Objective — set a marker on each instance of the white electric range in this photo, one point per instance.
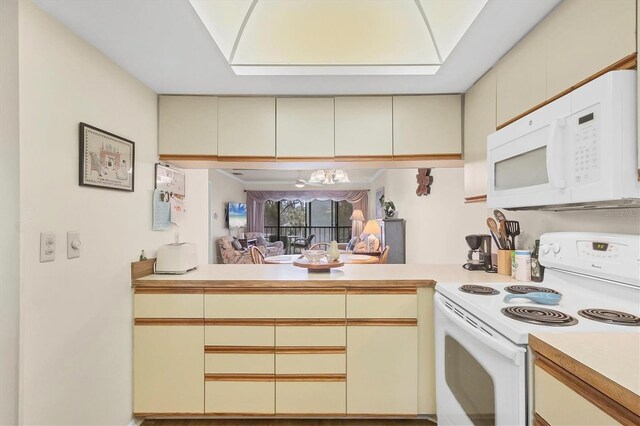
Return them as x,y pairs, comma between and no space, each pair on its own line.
483,364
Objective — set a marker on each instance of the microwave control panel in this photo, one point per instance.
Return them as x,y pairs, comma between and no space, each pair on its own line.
586,151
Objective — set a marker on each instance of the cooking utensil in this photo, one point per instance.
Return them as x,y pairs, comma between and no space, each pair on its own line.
493,227
536,296
502,231
499,215
513,230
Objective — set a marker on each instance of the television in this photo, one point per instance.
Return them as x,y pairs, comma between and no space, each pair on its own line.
236,215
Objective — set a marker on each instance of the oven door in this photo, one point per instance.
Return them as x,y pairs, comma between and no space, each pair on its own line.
480,375
526,160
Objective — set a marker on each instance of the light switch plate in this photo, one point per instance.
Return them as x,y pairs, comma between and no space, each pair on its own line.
47,247
73,239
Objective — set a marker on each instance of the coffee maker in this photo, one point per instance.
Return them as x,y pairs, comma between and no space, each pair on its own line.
479,254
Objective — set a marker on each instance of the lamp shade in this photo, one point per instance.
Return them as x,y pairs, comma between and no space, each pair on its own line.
357,215
372,227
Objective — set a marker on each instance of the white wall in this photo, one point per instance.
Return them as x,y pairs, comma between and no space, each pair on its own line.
435,224
76,342
223,190
10,213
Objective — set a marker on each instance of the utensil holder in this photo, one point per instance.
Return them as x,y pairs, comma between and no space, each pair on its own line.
504,262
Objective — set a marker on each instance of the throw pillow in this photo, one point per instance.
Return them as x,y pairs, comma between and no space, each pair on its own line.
236,244
352,243
261,241
360,247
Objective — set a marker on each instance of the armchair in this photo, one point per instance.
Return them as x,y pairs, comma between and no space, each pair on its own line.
230,254
270,249
302,243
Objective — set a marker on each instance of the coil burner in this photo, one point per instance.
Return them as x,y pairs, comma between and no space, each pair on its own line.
539,316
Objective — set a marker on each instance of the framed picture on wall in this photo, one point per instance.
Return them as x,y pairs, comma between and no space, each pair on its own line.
379,210
106,160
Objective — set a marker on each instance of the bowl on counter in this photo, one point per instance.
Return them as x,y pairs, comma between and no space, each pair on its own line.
314,256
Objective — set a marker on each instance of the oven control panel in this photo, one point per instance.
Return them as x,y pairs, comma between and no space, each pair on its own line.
586,159
608,256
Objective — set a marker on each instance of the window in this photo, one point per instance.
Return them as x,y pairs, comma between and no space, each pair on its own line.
327,220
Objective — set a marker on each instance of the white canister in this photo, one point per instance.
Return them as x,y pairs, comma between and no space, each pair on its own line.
523,265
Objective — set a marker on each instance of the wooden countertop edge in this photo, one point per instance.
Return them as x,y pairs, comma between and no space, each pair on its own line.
607,386
284,285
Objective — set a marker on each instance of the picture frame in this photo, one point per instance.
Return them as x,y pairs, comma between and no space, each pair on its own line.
379,210
170,180
106,160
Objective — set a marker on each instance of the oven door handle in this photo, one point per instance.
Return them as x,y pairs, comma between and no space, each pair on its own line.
514,354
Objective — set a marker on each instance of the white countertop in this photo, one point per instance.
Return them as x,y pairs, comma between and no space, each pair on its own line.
269,275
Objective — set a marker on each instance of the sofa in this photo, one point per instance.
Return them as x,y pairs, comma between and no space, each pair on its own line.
233,255
270,249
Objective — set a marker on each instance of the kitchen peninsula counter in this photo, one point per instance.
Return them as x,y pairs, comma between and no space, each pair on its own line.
348,276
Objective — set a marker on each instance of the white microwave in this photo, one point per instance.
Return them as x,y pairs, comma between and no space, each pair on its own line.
579,151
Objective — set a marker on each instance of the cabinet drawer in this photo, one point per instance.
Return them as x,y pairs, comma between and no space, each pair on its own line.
382,306
223,363
243,397
560,405
311,398
167,306
274,305
292,363
311,335
238,335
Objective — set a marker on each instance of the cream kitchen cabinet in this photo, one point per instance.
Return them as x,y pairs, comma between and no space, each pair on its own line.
522,76
188,125
479,122
305,128
586,36
247,127
168,369
363,127
427,125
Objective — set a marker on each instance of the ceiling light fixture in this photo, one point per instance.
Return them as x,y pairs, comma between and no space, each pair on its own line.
337,37
329,177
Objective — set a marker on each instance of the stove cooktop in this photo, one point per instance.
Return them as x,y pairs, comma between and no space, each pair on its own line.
539,316
524,289
479,289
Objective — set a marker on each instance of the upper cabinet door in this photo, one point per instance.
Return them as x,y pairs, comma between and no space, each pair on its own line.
188,125
479,122
522,76
427,125
305,127
364,126
247,127
585,37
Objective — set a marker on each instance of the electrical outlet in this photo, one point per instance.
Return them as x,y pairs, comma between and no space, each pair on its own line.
73,245
47,247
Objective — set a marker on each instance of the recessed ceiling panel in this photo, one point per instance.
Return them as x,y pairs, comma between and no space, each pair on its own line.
333,37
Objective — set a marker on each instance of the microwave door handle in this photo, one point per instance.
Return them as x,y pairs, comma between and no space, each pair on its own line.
555,170
498,346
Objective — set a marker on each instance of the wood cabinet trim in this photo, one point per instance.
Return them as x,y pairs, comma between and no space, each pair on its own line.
305,322
247,158
427,157
275,287
217,377
538,420
311,349
270,290
274,416
588,392
355,158
215,349
626,63
390,290
611,389
168,321
476,199
231,322
376,322
165,290
187,157
311,378
303,159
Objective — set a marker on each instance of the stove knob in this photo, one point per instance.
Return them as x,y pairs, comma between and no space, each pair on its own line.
544,248
555,248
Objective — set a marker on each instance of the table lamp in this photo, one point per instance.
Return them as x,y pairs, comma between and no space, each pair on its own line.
357,222
372,227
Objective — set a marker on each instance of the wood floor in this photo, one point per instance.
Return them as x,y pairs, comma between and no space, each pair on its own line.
287,422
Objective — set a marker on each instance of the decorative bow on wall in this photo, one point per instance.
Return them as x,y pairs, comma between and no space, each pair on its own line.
425,180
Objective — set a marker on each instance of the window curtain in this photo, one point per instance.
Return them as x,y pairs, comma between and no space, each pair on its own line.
256,199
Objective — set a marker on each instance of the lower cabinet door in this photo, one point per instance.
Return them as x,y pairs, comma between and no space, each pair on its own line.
308,397
168,369
382,370
240,397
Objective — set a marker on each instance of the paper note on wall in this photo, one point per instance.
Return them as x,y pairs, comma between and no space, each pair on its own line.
177,210
161,212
